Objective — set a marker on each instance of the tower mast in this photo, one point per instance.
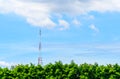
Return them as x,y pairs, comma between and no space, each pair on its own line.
39,48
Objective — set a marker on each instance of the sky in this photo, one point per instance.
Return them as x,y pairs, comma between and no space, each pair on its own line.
79,30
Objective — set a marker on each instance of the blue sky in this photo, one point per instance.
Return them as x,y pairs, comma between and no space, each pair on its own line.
83,31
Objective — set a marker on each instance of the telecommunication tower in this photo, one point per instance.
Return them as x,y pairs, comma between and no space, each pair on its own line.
39,48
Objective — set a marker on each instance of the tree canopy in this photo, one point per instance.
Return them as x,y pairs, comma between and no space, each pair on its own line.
61,71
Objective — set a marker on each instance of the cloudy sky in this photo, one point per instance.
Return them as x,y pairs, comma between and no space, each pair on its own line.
79,30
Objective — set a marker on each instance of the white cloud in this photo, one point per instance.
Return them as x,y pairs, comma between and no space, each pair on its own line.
4,64
39,12
93,27
83,48
76,22
63,24
21,47
91,17
36,14
17,49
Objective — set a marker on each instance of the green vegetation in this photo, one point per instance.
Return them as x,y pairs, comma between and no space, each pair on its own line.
61,71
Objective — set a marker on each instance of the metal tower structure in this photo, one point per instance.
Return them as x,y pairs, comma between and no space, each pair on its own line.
39,48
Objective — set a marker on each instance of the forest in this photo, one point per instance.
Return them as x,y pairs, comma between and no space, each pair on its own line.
58,70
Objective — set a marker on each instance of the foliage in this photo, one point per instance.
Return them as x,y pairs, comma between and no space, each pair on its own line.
61,71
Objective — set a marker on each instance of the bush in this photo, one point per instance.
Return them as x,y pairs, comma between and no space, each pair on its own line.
61,71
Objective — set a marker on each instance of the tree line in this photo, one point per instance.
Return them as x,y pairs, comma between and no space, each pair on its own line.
58,70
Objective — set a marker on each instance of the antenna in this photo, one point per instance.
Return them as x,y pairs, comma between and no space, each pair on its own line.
39,48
